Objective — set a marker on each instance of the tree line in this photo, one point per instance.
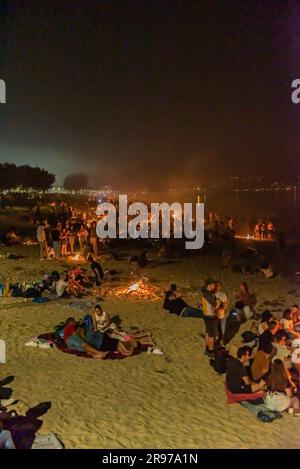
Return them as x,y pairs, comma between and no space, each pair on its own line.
24,177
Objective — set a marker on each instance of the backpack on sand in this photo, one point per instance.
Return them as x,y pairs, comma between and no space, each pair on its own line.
219,363
88,322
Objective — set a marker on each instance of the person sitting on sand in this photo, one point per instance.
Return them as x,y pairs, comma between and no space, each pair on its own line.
283,352
238,315
78,274
237,379
264,321
102,323
266,270
101,342
141,260
244,295
288,326
268,336
62,286
296,317
176,305
260,365
78,281
280,395
74,341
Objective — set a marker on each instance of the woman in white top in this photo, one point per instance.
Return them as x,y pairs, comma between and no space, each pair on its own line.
222,308
103,323
288,326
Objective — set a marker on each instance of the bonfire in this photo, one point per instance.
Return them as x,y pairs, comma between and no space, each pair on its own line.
30,242
140,290
77,257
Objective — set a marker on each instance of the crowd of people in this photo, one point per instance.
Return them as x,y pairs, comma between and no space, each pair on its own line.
264,230
60,240
265,369
97,335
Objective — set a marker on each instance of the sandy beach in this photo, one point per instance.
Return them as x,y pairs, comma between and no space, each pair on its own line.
145,401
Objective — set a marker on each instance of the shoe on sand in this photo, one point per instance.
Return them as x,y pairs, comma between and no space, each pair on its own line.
157,351
32,342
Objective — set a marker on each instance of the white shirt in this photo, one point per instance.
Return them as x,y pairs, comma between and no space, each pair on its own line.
40,234
61,286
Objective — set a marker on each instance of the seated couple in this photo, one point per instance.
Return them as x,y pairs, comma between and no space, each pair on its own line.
176,305
277,383
103,324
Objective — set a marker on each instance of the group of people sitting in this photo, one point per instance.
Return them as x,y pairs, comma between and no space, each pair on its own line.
74,282
101,336
267,367
271,364
220,325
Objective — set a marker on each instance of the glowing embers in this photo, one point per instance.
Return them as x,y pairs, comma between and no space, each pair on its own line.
77,257
140,290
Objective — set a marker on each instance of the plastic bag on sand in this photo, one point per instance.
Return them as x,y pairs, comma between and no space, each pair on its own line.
2,351
35,342
155,351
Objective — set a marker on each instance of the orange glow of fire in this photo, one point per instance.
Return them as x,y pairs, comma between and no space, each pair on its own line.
138,290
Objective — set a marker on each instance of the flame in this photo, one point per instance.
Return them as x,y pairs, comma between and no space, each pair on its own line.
77,257
138,290
29,242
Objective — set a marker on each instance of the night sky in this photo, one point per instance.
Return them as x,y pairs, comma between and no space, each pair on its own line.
150,92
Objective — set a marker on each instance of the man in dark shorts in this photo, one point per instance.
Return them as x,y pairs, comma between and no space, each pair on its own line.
209,305
176,305
237,379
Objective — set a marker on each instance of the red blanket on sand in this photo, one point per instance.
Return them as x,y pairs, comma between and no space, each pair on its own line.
110,356
235,398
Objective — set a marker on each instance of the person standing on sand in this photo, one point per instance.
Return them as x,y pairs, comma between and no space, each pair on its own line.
209,308
94,237
221,312
41,237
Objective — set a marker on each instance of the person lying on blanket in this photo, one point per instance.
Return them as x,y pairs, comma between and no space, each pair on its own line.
74,341
102,323
84,340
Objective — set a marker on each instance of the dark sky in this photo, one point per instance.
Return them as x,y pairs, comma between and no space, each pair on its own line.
153,91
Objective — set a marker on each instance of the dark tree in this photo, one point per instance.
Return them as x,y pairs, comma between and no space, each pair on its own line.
26,177
76,181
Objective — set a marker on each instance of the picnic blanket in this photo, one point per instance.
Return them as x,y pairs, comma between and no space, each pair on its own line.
51,339
82,306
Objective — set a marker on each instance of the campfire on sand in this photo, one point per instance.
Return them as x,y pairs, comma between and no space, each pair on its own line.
139,290
77,257
29,242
